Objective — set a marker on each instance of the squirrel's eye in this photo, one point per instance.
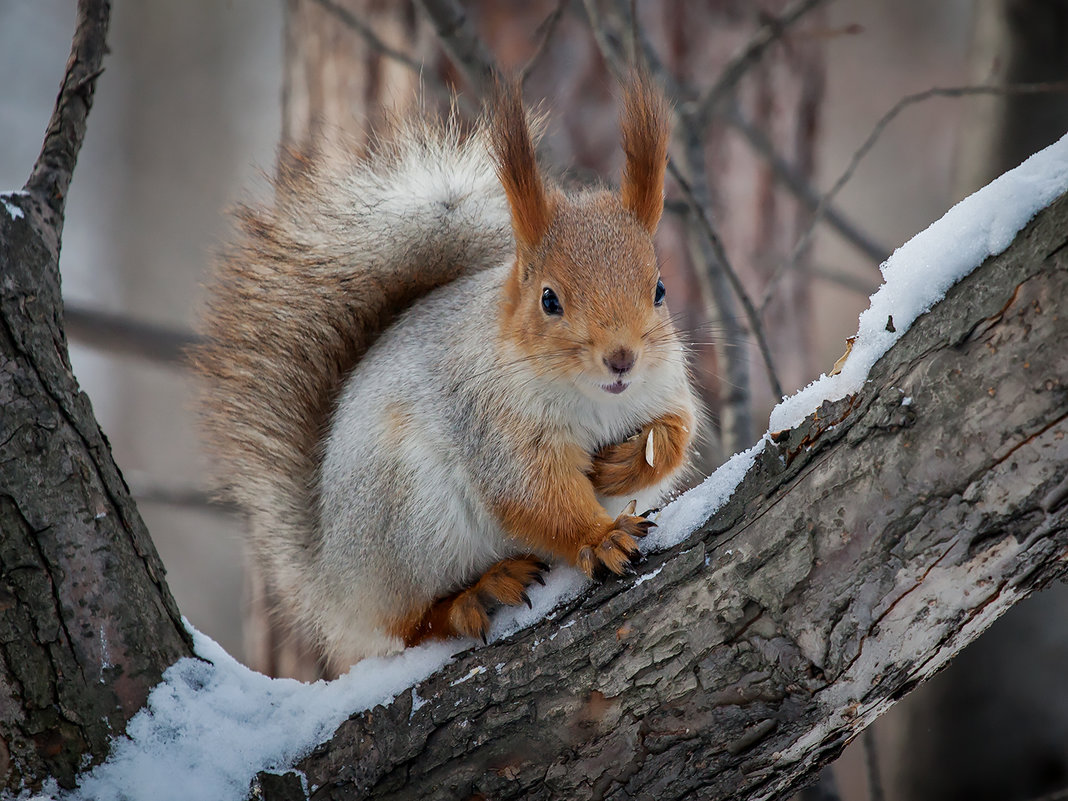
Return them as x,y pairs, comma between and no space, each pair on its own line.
658,298
550,302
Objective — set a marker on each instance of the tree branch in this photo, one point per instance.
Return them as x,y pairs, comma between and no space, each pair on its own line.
87,624
860,553
462,43
119,334
49,180
749,56
546,29
877,130
802,189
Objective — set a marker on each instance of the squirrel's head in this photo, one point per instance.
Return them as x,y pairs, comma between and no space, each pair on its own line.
585,300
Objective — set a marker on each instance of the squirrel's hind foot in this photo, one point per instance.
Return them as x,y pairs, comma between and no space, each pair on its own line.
465,613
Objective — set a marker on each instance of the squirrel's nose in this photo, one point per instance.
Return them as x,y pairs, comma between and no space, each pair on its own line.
620,360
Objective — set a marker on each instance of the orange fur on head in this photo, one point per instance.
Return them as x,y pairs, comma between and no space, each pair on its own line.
644,123
517,167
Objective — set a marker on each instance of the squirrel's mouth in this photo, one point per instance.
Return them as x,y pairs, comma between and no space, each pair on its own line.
616,387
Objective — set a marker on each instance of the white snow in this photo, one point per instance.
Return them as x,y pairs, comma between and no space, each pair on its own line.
13,211
919,272
211,725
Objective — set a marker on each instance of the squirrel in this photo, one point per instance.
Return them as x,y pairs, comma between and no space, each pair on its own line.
430,373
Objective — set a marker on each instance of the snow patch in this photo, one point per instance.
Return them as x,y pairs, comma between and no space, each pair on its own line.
212,724
644,578
919,272
13,211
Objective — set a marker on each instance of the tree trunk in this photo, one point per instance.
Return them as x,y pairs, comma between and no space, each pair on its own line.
860,553
87,624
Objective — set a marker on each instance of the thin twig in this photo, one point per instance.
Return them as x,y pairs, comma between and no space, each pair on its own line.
757,329
802,189
873,137
182,497
50,178
376,42
546,29
462,43
840,278
750,55
609,49
118,333
372,38
650,58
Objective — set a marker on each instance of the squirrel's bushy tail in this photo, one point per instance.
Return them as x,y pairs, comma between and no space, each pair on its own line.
307,286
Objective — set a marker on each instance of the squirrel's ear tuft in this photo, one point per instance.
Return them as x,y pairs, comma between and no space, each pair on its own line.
517,167
644,123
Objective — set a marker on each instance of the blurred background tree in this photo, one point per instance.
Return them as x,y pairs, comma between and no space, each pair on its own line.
198,95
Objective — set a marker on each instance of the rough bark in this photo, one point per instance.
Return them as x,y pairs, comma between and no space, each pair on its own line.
862,551
1013,745
87,624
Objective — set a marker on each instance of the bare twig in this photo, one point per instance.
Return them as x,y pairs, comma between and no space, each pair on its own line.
869,142
50,178
117,333
757,330
182,497
802,189
546,29
376,42
750,55
462,43
642,46
372,38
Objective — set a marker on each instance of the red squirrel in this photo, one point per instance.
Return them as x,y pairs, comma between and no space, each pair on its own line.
431,372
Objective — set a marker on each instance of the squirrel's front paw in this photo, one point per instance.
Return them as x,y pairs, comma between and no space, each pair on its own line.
649,456
617,550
